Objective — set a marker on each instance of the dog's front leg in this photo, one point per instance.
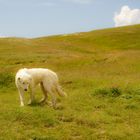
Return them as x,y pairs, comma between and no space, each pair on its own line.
32,97
21,94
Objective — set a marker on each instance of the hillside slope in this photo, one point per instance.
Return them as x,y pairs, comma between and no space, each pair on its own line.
114,38
100,72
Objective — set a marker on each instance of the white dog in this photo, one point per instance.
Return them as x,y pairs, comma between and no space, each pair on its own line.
29,78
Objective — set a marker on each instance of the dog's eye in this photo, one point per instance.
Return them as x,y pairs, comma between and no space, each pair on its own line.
23,83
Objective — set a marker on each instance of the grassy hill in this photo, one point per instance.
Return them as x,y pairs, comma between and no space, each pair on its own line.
99,70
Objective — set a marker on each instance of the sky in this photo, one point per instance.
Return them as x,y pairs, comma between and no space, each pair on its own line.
35,18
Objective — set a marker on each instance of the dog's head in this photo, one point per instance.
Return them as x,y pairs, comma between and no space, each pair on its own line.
24,82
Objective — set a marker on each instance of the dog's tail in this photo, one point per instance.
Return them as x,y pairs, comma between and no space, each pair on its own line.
60,91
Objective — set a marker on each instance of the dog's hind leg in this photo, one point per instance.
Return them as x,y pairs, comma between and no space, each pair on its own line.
53,97
44,93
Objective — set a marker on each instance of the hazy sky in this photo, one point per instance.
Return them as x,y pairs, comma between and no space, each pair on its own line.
34,18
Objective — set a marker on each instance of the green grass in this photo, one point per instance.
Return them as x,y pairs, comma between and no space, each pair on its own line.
100,72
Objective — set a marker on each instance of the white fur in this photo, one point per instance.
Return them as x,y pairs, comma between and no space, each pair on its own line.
29,78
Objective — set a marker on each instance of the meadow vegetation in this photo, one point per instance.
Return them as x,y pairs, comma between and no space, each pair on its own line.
100,72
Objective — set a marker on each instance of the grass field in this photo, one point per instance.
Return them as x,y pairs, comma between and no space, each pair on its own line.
99,70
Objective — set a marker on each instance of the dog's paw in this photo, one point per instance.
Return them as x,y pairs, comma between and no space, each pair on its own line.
22,105
49,103
29,103
43,100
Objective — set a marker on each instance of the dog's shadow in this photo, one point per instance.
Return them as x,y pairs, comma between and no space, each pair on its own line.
38,104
